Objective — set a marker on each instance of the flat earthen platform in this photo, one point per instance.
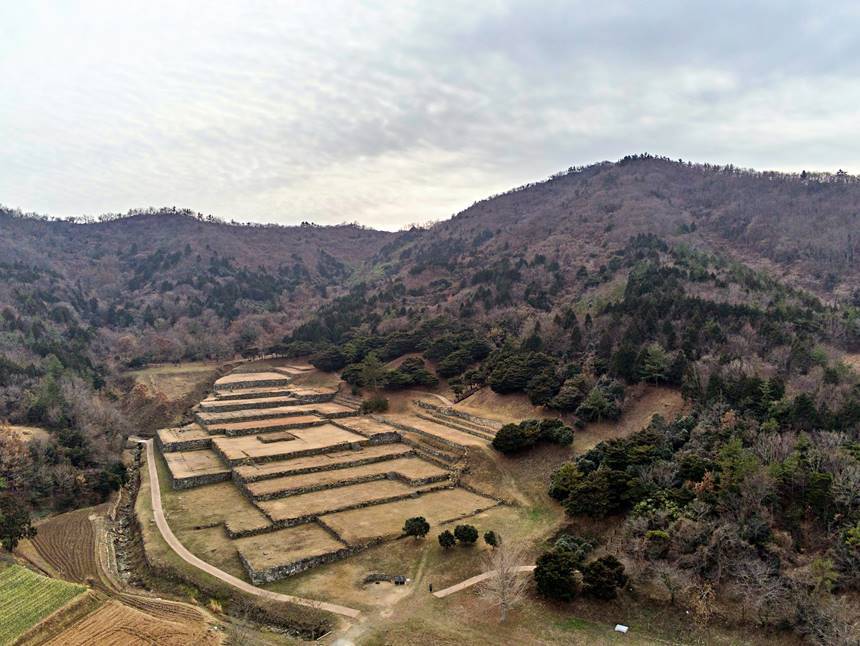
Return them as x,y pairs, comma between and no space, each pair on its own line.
251,379
308,441
323,409
334,460
438,430
304,506
194,468
411,471
386,520
285,551
264,425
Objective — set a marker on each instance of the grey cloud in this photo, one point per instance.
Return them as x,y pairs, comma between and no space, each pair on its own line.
395,112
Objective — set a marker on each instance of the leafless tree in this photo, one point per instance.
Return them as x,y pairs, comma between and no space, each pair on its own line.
506,584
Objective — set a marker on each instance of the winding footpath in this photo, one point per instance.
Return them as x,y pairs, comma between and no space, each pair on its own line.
188,557
468,583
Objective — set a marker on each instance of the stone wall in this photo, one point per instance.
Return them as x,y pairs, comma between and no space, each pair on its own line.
240,385
196,481
287,471
256,430
480,421
183,445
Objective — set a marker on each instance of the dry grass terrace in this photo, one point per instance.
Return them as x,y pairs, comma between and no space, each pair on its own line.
186,464
250,378
409,469
286,546
304,439
320,502
324,408
332,460
361,525
263,425
439,430
182,434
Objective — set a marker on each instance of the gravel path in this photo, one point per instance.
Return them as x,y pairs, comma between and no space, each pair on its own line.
468,583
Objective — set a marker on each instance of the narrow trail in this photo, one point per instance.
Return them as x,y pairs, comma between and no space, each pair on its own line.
188,557
468,583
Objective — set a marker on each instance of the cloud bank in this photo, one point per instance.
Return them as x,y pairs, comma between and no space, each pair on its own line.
391,113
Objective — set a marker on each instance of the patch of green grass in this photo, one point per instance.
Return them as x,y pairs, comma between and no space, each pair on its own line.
26,598
573,623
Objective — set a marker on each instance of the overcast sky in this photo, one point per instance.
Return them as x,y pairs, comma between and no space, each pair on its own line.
397,112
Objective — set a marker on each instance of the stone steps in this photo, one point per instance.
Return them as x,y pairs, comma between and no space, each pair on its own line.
252,393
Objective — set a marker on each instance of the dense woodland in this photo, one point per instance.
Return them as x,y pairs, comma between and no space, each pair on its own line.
740,289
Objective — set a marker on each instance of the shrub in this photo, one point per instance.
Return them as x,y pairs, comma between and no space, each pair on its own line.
512,438
376,404
555,576
491,538
446,539
416,526
466,534
603,577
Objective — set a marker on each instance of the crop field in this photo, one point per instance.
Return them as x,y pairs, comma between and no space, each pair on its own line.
362,525
26,598
115,624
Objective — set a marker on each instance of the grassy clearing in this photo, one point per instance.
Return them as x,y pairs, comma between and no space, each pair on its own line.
175,380
26,598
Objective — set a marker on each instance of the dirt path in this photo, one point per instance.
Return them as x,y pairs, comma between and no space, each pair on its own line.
189,558
468,583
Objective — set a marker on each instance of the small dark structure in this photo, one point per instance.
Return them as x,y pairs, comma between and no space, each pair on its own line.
400,580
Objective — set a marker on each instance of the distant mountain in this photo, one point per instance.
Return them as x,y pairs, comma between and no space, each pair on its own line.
167,285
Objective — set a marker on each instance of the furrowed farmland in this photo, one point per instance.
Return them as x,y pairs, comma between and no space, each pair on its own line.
26,598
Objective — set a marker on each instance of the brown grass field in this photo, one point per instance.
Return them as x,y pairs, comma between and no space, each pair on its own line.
176,381
287,546
361,525
315,437
26,433
115,624
238,378
319,502
407,468
185,464
326,460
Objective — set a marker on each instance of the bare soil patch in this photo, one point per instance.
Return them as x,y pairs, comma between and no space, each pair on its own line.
176,380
